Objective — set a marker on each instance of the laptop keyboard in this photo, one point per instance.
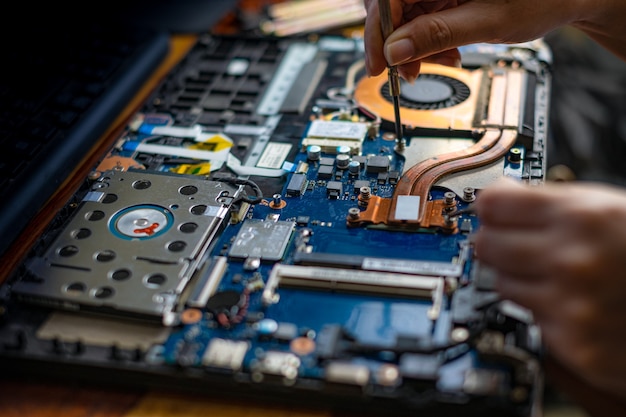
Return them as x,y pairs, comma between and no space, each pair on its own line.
55,103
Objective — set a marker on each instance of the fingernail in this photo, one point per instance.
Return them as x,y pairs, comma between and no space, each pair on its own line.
399,51
410,78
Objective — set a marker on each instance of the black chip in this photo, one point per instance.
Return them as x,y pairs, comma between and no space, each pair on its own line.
377,164
394,176
360,183
302,220
465,226
334,189
325,172
360,159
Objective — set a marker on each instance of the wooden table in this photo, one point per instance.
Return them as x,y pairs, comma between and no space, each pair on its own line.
42,399
19,398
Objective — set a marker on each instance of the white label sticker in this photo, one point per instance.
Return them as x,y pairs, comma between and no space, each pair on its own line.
274,155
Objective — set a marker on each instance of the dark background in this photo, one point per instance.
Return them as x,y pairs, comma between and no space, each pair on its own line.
588,111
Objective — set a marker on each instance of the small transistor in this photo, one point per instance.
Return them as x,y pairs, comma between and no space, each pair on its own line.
334,189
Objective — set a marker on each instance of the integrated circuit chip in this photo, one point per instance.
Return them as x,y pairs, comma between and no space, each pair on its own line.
377,163
337,130
358,184
325,172
331,135
262,239
334,189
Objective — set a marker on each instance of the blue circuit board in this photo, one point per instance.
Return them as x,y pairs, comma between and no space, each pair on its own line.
377,324
301,249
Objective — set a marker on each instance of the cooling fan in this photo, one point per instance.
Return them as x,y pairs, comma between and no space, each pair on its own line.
441,97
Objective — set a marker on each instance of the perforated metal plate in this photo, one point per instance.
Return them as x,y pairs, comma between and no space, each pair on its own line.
132,245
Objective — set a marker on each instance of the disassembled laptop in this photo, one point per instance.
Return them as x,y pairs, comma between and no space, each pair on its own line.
260,229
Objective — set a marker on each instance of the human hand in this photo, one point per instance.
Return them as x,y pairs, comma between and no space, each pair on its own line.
433,29
560,250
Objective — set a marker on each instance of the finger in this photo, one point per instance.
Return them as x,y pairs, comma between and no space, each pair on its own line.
450,58
528,293
428,34
508,251
510,204
375,61
592,400
471,22
411,70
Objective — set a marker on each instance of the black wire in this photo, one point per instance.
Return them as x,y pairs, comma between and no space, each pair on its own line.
240,181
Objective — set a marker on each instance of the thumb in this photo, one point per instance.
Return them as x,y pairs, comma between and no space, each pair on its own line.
433,33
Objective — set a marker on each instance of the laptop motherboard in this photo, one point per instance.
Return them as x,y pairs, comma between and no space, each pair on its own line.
259,230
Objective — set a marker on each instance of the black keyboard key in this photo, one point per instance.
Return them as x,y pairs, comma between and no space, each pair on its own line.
66,118
39,132
80,103
93,89
22,148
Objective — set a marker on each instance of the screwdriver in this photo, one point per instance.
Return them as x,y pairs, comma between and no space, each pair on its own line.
394,80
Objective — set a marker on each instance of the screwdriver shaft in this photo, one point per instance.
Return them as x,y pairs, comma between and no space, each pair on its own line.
386,24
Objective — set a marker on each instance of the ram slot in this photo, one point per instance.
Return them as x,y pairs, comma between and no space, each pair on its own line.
349,280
